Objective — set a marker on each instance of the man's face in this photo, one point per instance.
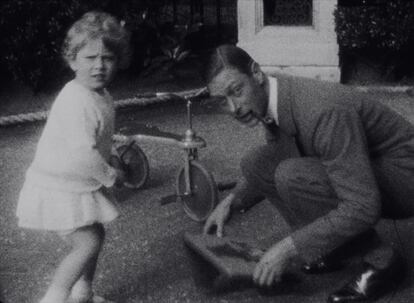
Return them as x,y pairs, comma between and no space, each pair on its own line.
245,96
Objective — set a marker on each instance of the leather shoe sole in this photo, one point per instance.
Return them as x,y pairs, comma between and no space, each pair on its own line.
370,284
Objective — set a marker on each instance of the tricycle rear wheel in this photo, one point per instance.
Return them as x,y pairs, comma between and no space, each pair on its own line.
135,164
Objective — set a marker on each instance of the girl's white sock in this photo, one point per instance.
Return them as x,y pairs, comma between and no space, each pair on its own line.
81,291
55,295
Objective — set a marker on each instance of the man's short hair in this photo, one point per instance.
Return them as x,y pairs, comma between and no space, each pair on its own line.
227,56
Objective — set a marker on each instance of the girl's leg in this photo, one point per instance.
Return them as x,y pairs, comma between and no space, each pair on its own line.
82,290
86,244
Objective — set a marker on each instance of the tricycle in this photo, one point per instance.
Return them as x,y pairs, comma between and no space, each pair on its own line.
195,185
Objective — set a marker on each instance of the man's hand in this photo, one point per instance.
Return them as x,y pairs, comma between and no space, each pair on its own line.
219,216
274,263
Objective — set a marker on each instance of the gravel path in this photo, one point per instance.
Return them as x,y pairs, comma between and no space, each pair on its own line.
144,259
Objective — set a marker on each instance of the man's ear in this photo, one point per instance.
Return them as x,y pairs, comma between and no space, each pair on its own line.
257,72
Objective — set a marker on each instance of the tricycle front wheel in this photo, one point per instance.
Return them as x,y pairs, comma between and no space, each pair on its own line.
203,198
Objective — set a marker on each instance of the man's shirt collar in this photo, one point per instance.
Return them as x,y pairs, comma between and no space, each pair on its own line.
272,105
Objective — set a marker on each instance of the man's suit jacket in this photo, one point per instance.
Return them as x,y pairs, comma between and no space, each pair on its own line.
346,130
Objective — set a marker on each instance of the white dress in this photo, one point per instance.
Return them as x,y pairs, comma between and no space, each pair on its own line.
42,208
65,184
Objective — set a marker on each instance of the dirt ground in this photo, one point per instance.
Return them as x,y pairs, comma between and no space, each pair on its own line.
144,259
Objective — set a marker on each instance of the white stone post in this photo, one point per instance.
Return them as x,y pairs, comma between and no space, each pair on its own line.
310,51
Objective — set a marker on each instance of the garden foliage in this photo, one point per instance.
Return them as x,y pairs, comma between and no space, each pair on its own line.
381,29
32,32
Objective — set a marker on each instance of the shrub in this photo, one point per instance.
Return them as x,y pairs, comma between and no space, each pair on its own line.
379,24
380,29
33,31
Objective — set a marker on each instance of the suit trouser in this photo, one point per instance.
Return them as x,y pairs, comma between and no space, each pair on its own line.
300,189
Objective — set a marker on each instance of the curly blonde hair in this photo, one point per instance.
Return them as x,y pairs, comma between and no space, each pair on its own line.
98,25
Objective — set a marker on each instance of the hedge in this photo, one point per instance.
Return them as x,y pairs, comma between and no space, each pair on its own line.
376,23
381,32
33,31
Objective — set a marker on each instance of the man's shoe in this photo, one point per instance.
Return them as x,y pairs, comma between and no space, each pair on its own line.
322,265
334,261
370,284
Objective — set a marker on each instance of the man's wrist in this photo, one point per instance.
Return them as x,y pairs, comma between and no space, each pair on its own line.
228,201
235,204
289,247
245,197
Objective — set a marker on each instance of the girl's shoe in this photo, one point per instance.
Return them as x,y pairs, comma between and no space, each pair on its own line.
80,295
98,299
90,299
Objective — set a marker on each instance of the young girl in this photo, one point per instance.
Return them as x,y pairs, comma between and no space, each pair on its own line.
64,188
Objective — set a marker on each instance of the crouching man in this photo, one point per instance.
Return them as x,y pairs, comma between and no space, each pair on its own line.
334,163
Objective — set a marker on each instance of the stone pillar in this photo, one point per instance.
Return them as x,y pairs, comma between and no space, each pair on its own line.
305,50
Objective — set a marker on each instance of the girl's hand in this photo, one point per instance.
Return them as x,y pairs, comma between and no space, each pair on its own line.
120,177
116,163
219,216
274,262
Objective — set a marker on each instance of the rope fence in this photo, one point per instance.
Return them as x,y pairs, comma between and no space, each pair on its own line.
138,100
146,99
